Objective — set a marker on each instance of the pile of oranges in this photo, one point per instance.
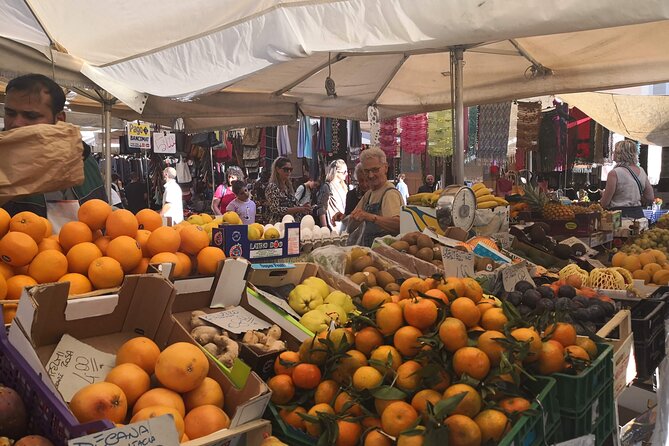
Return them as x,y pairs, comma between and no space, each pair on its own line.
194,400
440,356
96,251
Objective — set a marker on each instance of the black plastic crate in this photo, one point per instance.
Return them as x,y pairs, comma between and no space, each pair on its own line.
649,354
647,319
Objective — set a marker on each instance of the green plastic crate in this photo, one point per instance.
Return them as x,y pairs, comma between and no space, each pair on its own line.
285,432
597,418
578,391
535,430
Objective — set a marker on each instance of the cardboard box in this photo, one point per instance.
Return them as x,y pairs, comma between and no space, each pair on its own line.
417,218
491,221
234,241
611,220
105,322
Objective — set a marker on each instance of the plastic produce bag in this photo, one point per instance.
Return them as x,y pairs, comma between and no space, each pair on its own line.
414,265
40,158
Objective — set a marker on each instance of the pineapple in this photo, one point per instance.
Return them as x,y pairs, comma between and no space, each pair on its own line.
535,198
556,211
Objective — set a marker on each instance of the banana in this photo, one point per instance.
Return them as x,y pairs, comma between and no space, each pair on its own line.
501,201
418,198
486,197
482,192
477,186
486,204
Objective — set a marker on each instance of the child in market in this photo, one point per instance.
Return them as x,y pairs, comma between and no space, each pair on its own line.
242,205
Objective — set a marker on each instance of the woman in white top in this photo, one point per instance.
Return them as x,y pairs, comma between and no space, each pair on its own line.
332,196
627,185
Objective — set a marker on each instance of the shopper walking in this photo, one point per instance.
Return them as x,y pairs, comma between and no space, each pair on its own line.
402,188
224,194
172,200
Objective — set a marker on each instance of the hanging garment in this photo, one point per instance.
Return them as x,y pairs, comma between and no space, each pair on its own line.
440,134
183,171
494,130
581,136
529,122
414,133
251,137
305,148
388,137
354,140
283,141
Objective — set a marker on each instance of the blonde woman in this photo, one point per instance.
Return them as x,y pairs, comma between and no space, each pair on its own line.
332,196
280,195
627,185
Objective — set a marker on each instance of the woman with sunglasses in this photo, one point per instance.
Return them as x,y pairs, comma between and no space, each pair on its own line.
280,194
332,196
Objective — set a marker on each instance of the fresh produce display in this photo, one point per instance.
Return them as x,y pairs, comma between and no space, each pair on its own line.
650,265
537,236
485,198
656,238
437,358
318,305
181,388
14,425
428,199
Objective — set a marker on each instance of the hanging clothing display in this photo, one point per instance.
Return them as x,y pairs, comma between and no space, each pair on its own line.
388,137
473,130
440,133
339,149
494,130
529,122
581,135
325,135
553,139
305,148
414,133
354,140
283,141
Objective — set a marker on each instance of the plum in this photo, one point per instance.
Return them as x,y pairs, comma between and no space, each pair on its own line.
13,417
33,440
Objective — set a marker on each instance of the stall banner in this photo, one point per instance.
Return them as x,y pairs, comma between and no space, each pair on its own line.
139,136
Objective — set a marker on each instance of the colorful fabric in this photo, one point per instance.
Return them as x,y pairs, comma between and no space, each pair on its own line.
388,137
283,141
305,148
581,136
494,130
414,133
440,134
529,122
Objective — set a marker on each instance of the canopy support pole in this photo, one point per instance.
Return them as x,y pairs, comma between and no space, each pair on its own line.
106,122
458,167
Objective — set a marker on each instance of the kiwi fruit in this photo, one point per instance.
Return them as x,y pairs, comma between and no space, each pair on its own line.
411,237
423,241
371,269
371,279
383,278
400,245
358,278
392,287
425,254
436,253
356,253
361,263
413,250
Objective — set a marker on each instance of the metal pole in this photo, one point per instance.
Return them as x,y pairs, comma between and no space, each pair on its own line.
106,121
458,167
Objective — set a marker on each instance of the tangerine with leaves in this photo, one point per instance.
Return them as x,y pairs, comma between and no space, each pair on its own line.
551,358
94,213
473,289
387,356
126,251
389,318
530,336
422,397
105,272
163,239
485,304
346,404
148,219
406,340
17,248
282,388
207,260
494,319
437,294
315,429
352,361
453,288
488,344
28,223
576,352
471,361
48,266
464,308
462,431
420,313
326,392
374,298
398,416
292,418
306,376
349,433
367,378
514,405
470,405
376,438
408,376
453,334
290,359
588,345
561,332
409,288
72,233
79,284
368,339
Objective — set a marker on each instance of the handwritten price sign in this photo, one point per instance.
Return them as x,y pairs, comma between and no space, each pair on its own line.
74,365
158,431
237,320
512,274
457,263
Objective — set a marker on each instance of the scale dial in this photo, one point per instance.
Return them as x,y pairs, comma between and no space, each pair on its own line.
456,207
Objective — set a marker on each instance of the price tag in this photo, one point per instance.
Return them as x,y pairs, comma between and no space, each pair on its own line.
159,431
237,320
74,365
512,274
457,263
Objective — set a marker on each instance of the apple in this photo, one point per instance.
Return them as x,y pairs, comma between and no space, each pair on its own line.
315,321
342,299
318,284
304,298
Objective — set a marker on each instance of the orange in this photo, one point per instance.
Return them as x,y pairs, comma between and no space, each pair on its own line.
160,397
529,335
367,378
291,417
29,223
464,308
408,377
368,339
326,392
376,438
562,332
388,356
79,284
470,405
462,431
437,294
80,257
142,238
164,257
490,346
105,272
453,334
49,228
421,398
101,400
420,313
102,243
181,367
306,376
72,233
207,260
343,372
406,340
412,440
588,345
141,267
282,388
349,433
441,381
5,218
380,405
494,319
94,213
409,287
132,379
15,285
618,259
149,219
183,266
48,266
121,222
208,392
398,417
126,251
472,289
193,239
17,248
9,312
551,358
485,304
514,405
472,361
315,429
453,288
292,358
374,297
163,239
141,351
156,411
389,318
6,270
344,403
574,351
49,243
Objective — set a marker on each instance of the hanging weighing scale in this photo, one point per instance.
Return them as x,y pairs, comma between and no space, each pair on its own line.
456,207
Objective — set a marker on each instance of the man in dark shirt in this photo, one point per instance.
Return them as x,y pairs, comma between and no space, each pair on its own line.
428,187
136,194
35,99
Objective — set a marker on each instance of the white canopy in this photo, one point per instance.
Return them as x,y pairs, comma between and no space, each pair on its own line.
392,53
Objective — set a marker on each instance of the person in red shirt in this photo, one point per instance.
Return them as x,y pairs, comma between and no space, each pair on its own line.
224,194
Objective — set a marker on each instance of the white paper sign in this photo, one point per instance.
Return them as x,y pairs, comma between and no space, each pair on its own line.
512,274
75,364
457,263
158,431
573,240
504,239
164,142
279,303
440,238
237,320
